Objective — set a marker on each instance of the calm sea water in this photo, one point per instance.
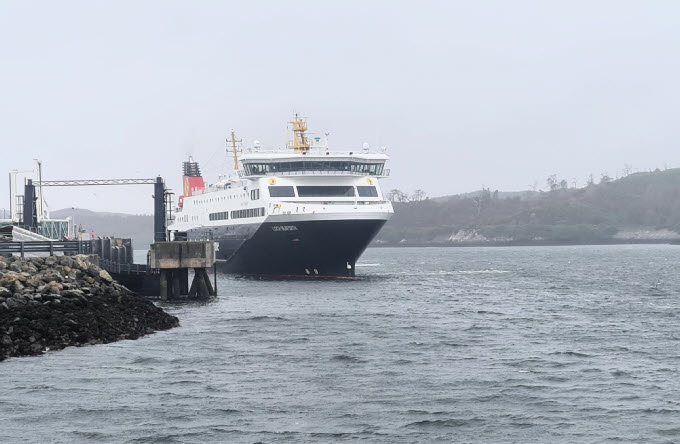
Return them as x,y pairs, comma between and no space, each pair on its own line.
550,344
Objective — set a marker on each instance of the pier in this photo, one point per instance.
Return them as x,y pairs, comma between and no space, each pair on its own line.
173,261
166,273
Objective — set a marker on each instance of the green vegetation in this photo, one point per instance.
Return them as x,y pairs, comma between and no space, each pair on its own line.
593,214
563,215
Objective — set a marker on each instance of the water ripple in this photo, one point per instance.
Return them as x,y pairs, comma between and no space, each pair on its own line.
549,344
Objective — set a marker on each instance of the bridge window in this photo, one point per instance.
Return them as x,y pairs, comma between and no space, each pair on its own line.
366,191
281,192
261,169
254,194
328,191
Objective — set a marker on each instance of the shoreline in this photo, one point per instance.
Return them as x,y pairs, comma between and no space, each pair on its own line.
524,243
61,301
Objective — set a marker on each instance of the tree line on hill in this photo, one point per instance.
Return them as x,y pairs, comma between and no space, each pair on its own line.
563,214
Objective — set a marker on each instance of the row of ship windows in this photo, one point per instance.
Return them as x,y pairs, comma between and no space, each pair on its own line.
305,191
219,199
237,214
223,215
313,165
323,191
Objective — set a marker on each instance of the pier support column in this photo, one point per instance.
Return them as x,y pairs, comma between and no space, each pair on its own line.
215,278
176,283
183,281
173,260
164,285
201,286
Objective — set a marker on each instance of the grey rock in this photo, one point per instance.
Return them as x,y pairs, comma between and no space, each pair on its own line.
50,297
17,286
93,271
13,302
4,292
105,276
72,293
52,276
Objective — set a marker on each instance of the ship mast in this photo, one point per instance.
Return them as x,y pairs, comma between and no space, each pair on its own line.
234,150
299,142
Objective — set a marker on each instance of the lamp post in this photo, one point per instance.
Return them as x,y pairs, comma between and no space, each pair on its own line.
73,221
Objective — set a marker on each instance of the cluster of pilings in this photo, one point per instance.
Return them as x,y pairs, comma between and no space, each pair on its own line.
174,284
113,249
174,259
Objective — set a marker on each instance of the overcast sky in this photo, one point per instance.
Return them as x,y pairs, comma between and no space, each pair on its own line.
464,94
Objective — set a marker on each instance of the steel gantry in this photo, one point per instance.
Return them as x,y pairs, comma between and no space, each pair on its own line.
80,182
161,199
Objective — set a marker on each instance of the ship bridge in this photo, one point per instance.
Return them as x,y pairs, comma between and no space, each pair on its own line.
285,164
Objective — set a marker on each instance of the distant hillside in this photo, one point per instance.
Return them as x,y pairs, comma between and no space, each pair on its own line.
638,207
137,227
641,207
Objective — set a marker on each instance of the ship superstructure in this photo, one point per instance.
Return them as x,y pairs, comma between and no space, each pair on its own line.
300,211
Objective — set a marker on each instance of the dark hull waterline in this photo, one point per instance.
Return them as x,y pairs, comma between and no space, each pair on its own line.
321,248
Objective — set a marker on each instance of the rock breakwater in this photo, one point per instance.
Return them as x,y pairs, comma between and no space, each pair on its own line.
55,302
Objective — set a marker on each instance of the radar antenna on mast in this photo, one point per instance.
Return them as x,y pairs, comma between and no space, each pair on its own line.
234,149
299,143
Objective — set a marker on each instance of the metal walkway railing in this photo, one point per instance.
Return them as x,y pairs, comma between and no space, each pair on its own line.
115,255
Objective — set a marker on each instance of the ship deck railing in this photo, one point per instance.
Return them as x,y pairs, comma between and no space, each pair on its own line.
385,173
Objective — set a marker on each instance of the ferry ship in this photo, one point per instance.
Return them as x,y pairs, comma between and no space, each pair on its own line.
301,211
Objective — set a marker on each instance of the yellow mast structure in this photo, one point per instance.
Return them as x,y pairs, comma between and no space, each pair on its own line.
234,149
299,143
